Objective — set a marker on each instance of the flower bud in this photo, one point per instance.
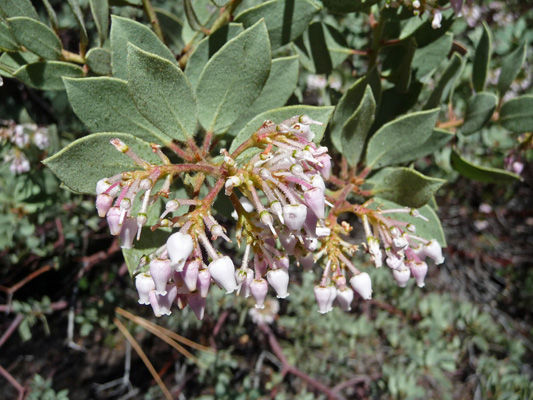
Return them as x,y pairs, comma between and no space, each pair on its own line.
161,303
113,220
419,272
394,261
179,247
182,299
315,200
160,271
304,131
433,250
362,284
325,169
128,233
345,298
245,278
279,280
197,304
401,276
322,296
190,274
332,296
294,215
103,204
222,271
102,185
282,262
318,182
203,282
144,284
259,289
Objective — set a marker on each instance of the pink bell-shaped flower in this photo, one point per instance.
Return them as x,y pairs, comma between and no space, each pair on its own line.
322,296
180,283
161,304
103,204
325,169
282,262
279,280
144,284
294,216
203,283
190,274
244,278
222,271
433,250
288,241
259,289
113,220
160,271
332,296
307,261
182,299
394,261
318,182
419,272
197,304
345,298
128,233
315,200
362,284
401,276
179,247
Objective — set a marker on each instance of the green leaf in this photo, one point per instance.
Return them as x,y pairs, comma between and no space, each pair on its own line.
192,19
355,130
233,78
404,186
36,37
517,114
100,12
278,88
482,59
278,115
150,242
427,59
207,48
438,139
285,20
105,105
18,8
47,75
99,61
481,173
399,61
78,15
7,40
479,109
326,46
52,16
511,66
172,27
161,93
400,136
124,30
347,6
446,81
87,160
10,62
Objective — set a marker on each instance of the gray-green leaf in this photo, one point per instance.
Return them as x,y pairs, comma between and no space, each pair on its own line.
400,136
428,58
124,30
87,160
404,186
105,105
438,139
161,93
47,75
446,81
285,20
18,8
78,15
355,130
36,37
233,78
481,173
511,66
99,61
479,109
7,40
517,114
482,59
100,11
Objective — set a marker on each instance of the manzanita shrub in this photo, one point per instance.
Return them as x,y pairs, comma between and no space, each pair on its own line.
209,165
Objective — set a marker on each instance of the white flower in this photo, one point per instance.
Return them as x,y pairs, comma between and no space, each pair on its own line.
179,247
362,284
279,280
222,271
144,284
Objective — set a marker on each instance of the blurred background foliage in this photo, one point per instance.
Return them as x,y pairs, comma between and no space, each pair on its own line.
466,335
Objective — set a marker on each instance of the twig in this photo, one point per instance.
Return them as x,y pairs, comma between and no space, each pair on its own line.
17,286
145,359
152,16
14,325
13,382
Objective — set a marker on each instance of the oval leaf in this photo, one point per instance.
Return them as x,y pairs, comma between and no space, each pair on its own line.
18,8
99,61
7,40
47,75
479,109
446,81
105,105
438,139
36,37
161,93
400,136
404,186
87,160
482,59
285,20
517,114
511,66
481,173
233,78
278,115
100,12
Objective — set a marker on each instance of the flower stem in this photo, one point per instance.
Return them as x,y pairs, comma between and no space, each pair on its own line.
152,16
